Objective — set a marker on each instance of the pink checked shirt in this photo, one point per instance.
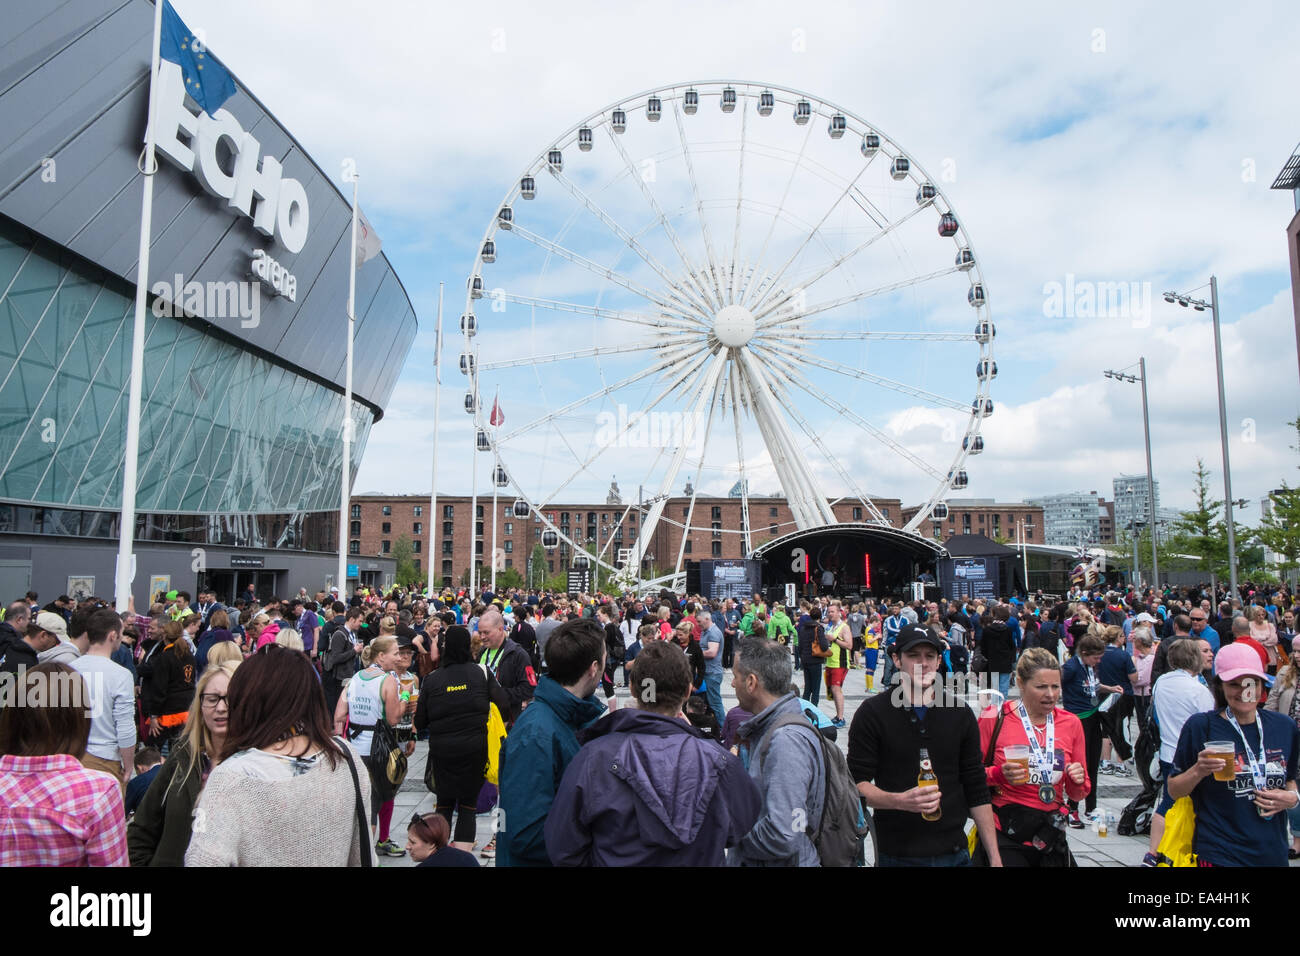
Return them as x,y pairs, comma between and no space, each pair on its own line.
55,812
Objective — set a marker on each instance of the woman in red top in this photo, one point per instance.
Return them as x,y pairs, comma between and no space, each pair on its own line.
1030,804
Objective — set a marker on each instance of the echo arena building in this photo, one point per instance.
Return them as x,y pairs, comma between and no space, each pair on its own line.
240,445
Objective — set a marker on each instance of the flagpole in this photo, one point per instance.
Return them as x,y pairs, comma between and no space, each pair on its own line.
345,480
473,483
437,408
496,464
126,542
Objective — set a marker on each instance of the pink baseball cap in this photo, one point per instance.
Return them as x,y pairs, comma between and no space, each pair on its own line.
1238,660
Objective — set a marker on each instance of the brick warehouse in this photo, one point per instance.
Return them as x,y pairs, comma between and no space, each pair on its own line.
1005,520
377,521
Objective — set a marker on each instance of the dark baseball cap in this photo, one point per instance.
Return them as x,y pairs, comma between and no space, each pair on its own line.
912,634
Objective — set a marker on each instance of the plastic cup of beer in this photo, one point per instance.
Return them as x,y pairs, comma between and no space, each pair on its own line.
1227,752
1019,754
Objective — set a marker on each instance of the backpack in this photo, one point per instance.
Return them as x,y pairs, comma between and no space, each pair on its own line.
841,834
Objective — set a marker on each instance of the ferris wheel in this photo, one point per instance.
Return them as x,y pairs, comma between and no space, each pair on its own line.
733,283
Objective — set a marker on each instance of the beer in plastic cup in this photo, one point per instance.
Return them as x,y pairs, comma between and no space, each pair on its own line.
1019,754
1226,751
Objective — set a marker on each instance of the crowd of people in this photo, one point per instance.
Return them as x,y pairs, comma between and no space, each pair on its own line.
200,729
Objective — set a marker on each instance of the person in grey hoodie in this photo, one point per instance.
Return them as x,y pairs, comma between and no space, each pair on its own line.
791,774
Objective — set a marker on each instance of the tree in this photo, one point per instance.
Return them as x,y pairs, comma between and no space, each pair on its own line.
1279,532
404,555
537,562
509,578
1201,531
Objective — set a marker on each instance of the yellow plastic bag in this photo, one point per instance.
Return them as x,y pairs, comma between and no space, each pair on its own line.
496,732
1180,826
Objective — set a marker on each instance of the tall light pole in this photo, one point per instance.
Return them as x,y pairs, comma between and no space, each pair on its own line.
1200,305
1151,482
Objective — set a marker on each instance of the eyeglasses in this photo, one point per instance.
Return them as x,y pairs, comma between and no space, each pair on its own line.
213,700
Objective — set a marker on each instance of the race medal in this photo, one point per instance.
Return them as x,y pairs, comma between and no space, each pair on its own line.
1043,757
1046,793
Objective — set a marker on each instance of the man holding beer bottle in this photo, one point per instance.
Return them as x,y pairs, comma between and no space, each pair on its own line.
915,755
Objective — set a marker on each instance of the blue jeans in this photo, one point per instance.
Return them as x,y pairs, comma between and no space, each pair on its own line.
960,858
1004,684
713,691
812,683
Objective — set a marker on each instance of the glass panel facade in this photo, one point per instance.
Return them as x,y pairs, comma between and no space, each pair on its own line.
222,431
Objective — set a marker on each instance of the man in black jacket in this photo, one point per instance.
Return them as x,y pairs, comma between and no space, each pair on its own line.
14,627
22,653
341,659
999,648
506,661
890,736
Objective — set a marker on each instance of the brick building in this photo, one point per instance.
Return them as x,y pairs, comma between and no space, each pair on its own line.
987,517
378,521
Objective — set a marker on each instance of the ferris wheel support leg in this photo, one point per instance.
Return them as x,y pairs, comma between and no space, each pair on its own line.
703,401
704,444
740,459
802,487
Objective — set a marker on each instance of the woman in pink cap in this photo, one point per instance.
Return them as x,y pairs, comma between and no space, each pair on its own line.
1239,822
1283,699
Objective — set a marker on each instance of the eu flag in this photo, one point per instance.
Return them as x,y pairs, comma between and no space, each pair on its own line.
207,82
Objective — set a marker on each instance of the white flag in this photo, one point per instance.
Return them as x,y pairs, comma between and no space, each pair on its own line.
368,244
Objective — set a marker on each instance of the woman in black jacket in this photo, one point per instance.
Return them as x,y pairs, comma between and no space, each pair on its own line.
999,649
453,706
684,635
171,686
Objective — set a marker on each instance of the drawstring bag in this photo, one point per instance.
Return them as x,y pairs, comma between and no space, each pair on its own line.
496,735
1180,828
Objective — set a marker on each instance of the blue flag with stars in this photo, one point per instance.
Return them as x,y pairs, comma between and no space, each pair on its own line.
207,82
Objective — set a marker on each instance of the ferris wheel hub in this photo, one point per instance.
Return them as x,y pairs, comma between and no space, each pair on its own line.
734,325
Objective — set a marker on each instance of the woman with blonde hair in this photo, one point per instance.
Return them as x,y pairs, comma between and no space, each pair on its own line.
288,637
159,833
371,696
1265,631
253,632
224,652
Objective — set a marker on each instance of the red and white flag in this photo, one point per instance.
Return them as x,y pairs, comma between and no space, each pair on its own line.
368,241
498,417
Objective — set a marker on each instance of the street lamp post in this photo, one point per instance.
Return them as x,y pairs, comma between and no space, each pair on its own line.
1200,305
1151,483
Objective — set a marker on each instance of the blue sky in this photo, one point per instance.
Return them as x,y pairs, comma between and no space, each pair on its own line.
1107,145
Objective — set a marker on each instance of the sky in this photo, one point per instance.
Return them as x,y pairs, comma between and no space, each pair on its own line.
1080,149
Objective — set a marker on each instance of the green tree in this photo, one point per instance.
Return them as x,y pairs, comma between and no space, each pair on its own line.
404,555
509,578
538,572
1201,531
1279,532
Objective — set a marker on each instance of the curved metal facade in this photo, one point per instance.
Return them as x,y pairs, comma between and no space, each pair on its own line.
237,416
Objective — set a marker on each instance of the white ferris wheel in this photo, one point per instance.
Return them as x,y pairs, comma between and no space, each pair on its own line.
733,283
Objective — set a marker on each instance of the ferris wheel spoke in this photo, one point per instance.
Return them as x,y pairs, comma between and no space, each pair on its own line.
889,336
666,361
605,273
631,423
595,351
792,409
661,217
617,315
849,415
809,238
732,376
631,241
760,312
783,316
776,217
740,196
706,395
704,445
714,268
830,366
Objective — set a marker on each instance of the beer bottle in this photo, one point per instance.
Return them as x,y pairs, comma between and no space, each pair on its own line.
927,778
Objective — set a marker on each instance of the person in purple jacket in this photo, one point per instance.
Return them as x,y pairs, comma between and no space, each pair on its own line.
647,788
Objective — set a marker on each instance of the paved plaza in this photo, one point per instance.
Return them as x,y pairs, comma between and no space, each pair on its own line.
1090,849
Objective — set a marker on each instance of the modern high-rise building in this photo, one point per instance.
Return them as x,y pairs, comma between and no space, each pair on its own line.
1132,501
243,401
1072,519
